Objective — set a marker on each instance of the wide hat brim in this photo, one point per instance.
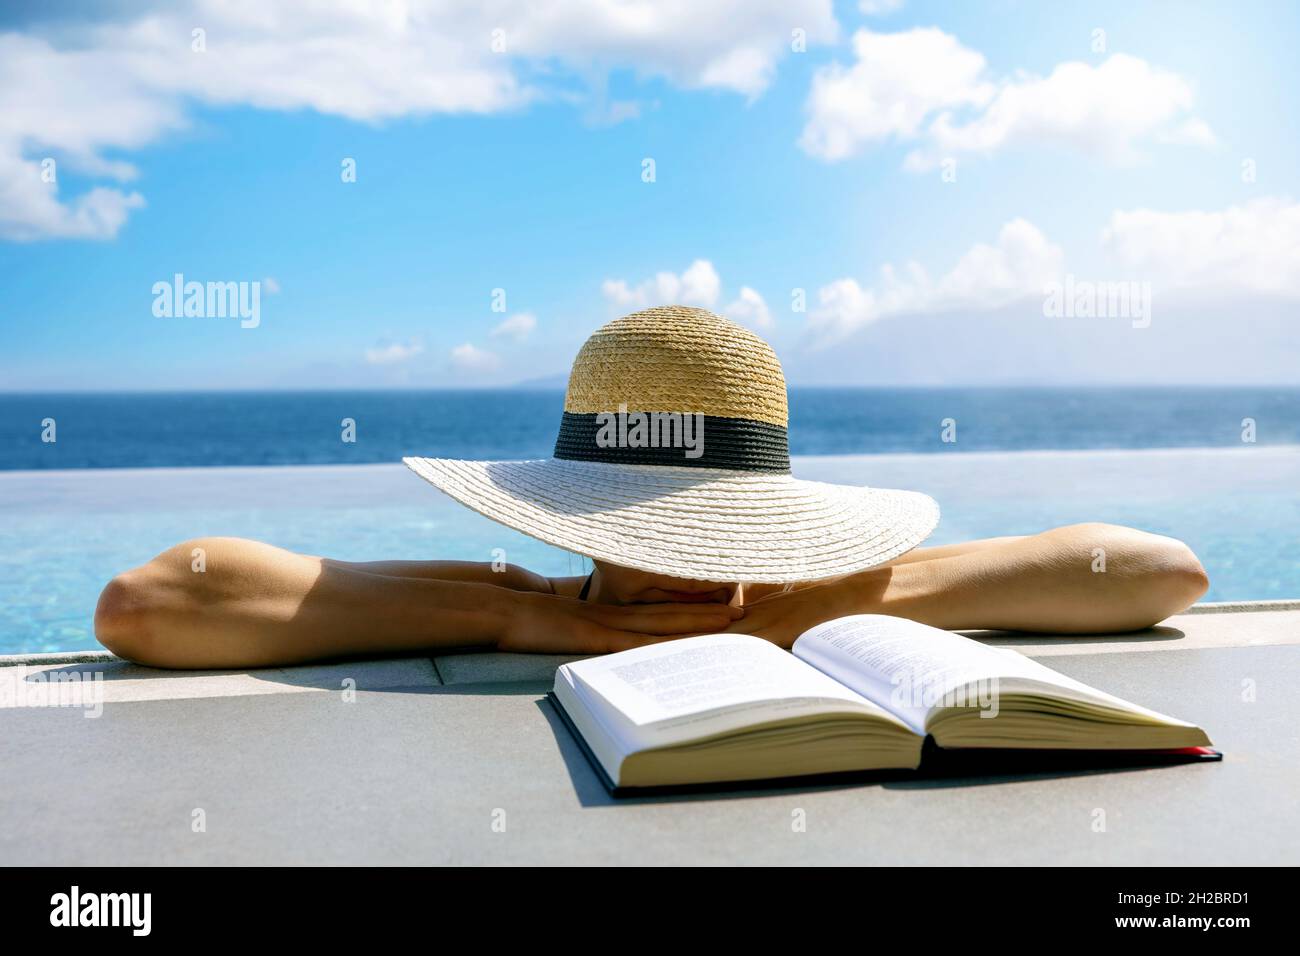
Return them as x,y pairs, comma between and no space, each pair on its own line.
702,524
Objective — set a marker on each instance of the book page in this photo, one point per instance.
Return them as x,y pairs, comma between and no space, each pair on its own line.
678,690
911,669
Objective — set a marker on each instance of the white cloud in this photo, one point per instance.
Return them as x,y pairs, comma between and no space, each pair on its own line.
1017,266
923,85
1106,110
270,286
745,69
731,45
518,326
899,80
879,8
698,285
58,112
750,309
1250,248
30,209
471,358
394,354
94,86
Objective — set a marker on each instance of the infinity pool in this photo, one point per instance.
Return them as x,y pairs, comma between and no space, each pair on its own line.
64,533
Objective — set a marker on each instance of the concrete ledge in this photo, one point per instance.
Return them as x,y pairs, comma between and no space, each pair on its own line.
110,681
1237,607
1262,626
1236,624
424,776
492,668
1225,624
1239,625
59,657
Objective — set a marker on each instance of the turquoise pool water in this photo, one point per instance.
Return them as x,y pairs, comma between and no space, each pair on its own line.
64,533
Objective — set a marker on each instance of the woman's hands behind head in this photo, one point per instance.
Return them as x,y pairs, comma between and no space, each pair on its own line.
781,617
549,624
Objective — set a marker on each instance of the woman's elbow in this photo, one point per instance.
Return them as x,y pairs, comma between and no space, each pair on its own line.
1187,577
1172,580
123,617
138,611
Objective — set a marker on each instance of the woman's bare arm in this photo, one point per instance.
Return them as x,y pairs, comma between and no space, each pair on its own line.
1080,579
229,602
506,575
952,550
1085,578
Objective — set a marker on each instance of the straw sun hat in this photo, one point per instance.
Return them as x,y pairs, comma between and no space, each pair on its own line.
672,458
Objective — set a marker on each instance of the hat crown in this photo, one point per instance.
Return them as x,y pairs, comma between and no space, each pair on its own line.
678,359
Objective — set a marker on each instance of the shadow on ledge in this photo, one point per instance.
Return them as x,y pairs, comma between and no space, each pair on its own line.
1157,634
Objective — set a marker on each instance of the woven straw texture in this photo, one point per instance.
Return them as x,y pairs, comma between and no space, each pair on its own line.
720,524
705,524
678,359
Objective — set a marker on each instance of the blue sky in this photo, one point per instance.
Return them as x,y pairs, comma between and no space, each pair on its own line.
1161,155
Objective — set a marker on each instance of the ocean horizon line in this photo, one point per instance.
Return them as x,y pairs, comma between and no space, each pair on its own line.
982,453
535,386
200,429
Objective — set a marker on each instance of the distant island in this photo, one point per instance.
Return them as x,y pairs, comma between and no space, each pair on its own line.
559,380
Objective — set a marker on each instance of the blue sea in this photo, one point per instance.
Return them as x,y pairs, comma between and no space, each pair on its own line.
132,474
150,430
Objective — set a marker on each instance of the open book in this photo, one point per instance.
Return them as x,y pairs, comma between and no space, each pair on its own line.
857,693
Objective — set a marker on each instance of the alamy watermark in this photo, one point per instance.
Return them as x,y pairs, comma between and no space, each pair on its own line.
928,690
75,908
209,300
54,688
1086,299
624,429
